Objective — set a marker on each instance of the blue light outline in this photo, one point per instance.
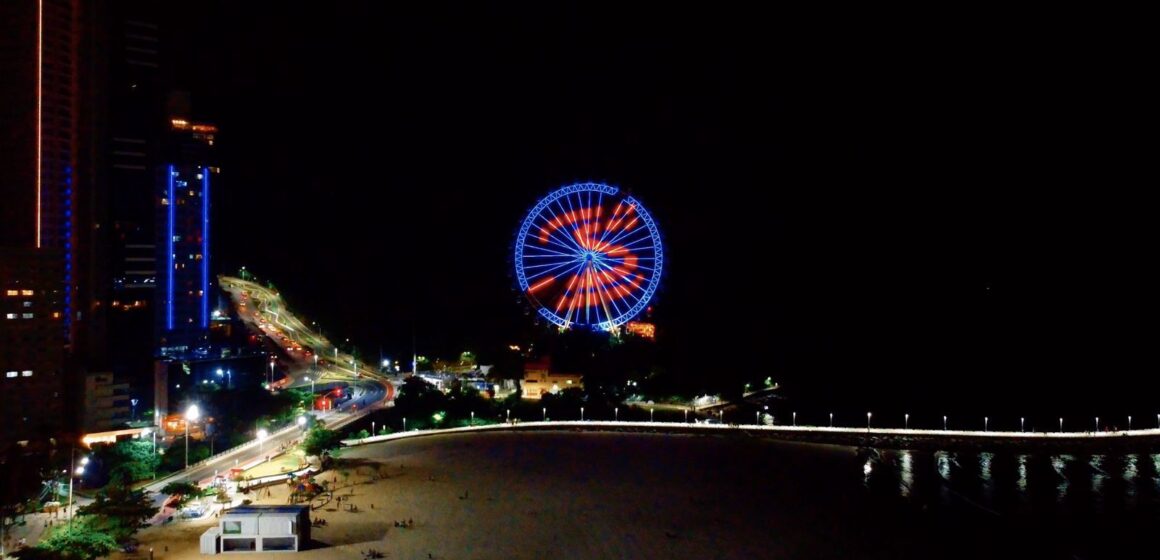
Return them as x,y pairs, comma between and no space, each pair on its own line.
205,248
169,244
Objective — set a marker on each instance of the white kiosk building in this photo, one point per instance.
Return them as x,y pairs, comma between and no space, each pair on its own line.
259,529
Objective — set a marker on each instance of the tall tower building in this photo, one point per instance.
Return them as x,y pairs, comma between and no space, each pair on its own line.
183,246
39,133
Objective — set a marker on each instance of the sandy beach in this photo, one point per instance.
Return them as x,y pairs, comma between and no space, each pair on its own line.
564,495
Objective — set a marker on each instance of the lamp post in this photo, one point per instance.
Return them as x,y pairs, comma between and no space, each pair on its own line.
509,415
581,414
372,428
616,414
650,415
473,416
795,419
686,416
311,380
1129,422
1020,424
944,422
404,423
984,423
77,470
756,417
1097,423
1061,424
906,421
270,378
831,419
133,406
868,421
191,415
262,435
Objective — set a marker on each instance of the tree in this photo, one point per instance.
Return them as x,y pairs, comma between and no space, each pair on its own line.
320,440
129,460
81,541
186,490
119,511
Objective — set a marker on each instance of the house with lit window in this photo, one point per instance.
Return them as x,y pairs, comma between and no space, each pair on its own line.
539,380
259,528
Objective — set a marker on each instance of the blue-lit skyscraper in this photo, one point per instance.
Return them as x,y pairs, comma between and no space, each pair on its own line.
185,192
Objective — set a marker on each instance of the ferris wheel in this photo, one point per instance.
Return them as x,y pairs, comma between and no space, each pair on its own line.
588,256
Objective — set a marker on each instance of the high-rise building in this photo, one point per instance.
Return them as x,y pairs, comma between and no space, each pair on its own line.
40,130
32,357
183,247
130,144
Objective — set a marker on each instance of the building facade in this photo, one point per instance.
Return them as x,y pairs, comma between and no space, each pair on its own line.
184,292
32,358
259,529
539,381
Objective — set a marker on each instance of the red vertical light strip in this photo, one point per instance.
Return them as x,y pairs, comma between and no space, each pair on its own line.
39,94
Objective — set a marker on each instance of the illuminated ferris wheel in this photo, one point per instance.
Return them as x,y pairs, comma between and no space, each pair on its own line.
588,256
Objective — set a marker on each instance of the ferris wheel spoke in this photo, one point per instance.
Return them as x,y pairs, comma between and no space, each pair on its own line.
572,212
543,273
568,225
545,252
617,238
611,297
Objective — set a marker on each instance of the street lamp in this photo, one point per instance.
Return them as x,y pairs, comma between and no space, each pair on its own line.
795,419
944,422
133,405
906,421
372,428
1097,423
545,417
686,416
616,414
270,379
650,415
756,417
191,415
1020,424
984,423
581,414
262,435
311,380
473,416
831,419
1129,422
1061,424
867,421
77,471
509,415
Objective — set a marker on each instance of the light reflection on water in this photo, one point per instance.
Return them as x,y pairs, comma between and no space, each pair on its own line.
1017,482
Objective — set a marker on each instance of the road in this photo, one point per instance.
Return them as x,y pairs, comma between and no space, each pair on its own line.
265,311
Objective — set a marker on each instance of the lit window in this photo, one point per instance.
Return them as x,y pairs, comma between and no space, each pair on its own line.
28,304
56,314
26,373
12,293
26,292
27,315
10,316
11,374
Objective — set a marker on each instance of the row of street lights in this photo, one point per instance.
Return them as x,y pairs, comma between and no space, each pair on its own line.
869,419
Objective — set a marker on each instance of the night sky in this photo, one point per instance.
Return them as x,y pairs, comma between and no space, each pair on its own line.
872,214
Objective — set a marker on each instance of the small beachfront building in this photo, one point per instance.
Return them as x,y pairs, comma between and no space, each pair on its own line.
259,528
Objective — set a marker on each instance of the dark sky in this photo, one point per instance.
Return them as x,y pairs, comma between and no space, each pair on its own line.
938,211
